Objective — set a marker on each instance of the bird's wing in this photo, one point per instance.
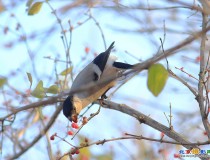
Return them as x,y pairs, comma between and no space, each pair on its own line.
93,72
85,77
101,60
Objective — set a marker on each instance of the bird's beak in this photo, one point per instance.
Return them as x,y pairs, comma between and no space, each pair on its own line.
73,118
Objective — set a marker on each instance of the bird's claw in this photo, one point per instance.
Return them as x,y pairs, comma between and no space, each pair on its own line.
104,97
101,102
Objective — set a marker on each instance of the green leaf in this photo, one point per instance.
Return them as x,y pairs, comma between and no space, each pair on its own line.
30,78
157,77
35,8
2,7
39,92
52,89
2,81
66,71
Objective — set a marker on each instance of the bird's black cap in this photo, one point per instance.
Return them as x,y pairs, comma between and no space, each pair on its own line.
68,107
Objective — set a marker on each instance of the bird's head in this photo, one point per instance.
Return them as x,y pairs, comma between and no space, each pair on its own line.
69,110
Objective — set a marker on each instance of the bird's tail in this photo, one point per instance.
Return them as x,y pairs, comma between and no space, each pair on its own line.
122,65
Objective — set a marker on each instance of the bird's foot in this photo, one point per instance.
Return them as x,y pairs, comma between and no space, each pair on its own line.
104,96
101,102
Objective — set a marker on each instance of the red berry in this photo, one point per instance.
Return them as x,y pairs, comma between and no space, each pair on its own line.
70,133
52,137
198,59
85,120
162,134
77,151
71,28
74,125
72,151
87,50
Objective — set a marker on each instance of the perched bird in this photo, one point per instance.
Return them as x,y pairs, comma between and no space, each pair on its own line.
102,67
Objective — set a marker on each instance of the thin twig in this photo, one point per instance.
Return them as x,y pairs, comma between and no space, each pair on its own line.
190,75
135,137
99,27
38,137
193,90
170,116
150,122
63,139
91,116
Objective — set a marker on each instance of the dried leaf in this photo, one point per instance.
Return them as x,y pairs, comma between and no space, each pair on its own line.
157,77
2,81
21,133
35,8
66,71
85,153
65,157
107,156
2,8
30,78
36,117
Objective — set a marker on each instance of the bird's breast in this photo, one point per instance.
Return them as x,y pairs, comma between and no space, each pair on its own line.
96,92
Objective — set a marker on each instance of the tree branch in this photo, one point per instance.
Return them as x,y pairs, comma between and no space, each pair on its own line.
129,136
142,118
138,68
38,137
200,98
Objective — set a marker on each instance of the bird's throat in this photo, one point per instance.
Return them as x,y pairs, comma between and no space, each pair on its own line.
77,104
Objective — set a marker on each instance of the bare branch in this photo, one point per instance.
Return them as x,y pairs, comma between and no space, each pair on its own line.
142,118
200,98
38,137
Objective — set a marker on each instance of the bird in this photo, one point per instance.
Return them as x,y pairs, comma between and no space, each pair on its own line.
102,67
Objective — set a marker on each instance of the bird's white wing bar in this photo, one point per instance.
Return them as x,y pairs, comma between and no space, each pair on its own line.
97,72
102,58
